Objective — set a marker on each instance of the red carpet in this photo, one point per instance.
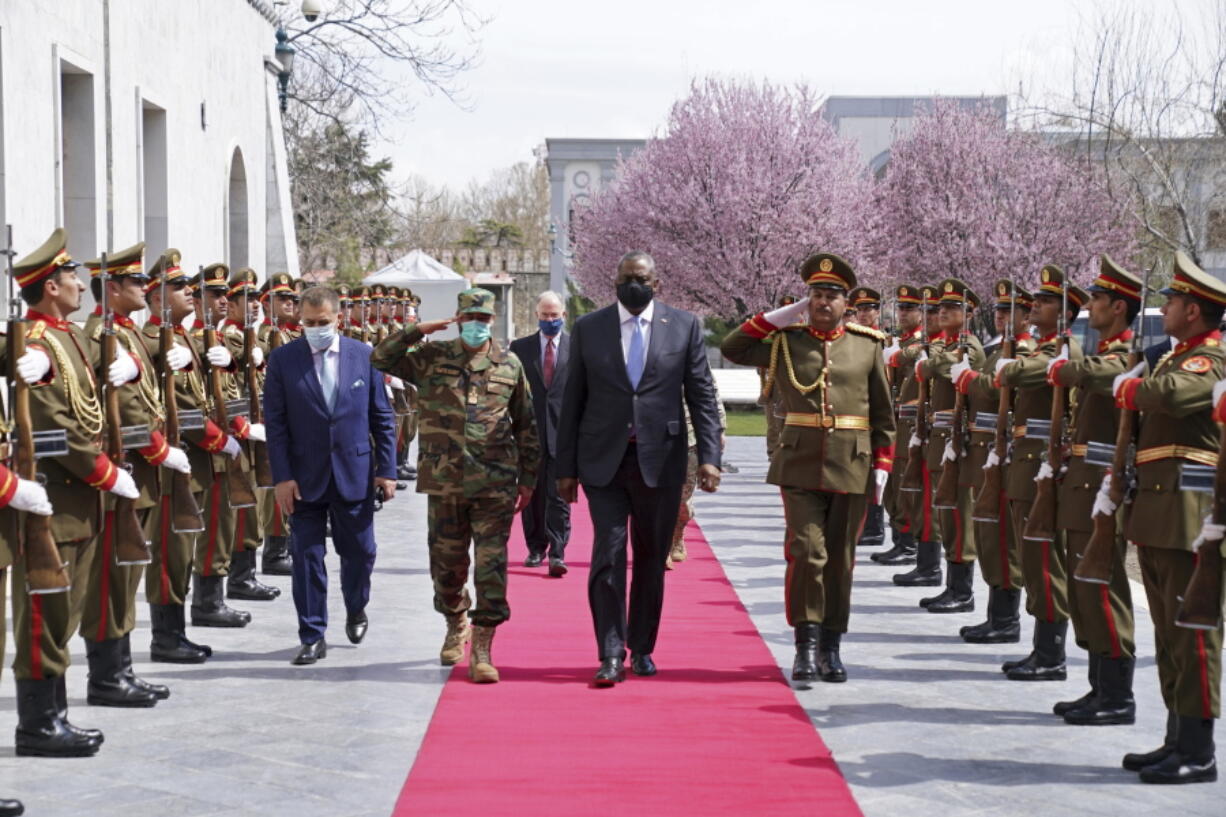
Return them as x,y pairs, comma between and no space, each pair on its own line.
716,732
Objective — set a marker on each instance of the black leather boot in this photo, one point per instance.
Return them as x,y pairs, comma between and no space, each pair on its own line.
11,808
108,685
1136,761
902,553
209,607
1047,660
1003,625
40,730
169,644
804,667
1061,707
873,534
829,664
960,585
927,571
242,582
61,710
1192,761
276,560
1114,703
160,691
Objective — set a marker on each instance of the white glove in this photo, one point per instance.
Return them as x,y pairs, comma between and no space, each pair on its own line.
922,356
176,460
1055,360
123,369
880,478
992,460
369,343
889,351
1219,388
232,448
1103,506
257,356
787,315
1135,371
958,369
124,485
33,365
915,441
178,357
1003,362
220,357
1045,472
31,497
950,455
1211,531
396,383
255,431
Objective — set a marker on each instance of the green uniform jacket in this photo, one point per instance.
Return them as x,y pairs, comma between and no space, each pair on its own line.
942,394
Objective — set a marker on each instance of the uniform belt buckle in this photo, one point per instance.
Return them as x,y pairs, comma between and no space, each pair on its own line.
827,421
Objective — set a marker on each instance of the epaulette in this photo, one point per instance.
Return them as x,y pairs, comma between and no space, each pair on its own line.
37,330
96,335
867,331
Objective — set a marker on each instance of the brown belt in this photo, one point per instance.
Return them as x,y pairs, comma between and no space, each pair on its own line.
1182,452
836,421
1078,449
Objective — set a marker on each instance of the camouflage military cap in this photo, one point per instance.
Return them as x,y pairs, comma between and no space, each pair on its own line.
475,301
128,262
215,277
50,257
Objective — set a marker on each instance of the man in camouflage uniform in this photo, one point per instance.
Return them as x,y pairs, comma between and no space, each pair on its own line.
280,326
836,448
686,512
477,462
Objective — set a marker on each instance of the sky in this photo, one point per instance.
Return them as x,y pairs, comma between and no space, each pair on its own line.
577,68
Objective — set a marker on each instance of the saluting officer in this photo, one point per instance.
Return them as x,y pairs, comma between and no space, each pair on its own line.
835,448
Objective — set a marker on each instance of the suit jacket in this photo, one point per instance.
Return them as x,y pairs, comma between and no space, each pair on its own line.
547,402
599,408
306,443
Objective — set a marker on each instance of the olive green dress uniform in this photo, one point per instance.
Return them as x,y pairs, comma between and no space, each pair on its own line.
479,444
273,523
906,394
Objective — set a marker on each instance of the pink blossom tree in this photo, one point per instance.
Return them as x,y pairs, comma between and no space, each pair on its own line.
962,196
746,182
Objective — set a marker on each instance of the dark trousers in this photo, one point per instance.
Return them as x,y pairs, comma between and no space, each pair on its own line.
546,520
649,514
353,537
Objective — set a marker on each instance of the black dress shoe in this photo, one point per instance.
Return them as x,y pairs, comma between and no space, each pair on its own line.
612,671
11,808
402,486
641,664
534,560
557,568
310,653
355,627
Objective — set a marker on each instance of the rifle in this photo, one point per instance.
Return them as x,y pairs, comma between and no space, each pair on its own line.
1201,608
365,333
46,572
913,477
241,493
988,504
1041,523
259,450
186,516
131,548
946,495
1097,561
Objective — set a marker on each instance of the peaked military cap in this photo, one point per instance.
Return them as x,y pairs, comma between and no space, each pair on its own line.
827,270
393,293
167,266
128,262
244,279
344,293
956,291
475,301
907,295
1114,279
215,277
414,300
1051,282
51,256
787,300
378,291
280,283
1189,279
865,296
1007,293
361,293
930,296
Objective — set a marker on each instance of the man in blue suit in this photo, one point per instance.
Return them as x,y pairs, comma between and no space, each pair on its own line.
331,442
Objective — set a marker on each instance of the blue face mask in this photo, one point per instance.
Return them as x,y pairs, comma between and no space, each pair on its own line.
474,333
320,337
550,328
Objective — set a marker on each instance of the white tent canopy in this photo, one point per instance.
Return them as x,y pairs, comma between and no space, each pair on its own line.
435,283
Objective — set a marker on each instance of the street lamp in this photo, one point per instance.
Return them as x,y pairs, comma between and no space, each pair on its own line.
285,55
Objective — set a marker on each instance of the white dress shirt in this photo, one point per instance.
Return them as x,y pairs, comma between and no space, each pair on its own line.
627,325
330,358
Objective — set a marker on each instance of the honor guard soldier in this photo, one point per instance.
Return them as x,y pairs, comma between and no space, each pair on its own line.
479,452
380,313
299,287
280,327
908,314
345,293
947,443
997,548
407,469
359,314
1043,561
1177,428
867,305
835,448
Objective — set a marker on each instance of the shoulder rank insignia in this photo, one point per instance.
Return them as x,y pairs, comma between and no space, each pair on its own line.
1198,364
867,331
37,330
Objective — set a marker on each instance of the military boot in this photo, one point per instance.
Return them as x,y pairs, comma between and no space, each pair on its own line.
242,582
829,664
1136,761
276,559
40,730
1192,761
927,571
11,808
1060,707
1004,624
960,583
1114,703
1046,663
61,711
170,644
209,608
902,553
160,691
804,667
458,634
108,684
481,669
873,534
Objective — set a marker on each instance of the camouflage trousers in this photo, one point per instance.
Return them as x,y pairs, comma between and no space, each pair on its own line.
454,523
686,511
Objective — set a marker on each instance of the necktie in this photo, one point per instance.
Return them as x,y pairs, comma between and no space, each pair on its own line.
549,362
327,380
635,359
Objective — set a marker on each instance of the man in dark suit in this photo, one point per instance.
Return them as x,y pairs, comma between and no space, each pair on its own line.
544,354
622,434
331,443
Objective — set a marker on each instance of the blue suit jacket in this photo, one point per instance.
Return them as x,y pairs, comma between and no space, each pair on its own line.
351,445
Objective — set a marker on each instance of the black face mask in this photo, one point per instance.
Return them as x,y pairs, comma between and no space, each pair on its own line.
634,295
